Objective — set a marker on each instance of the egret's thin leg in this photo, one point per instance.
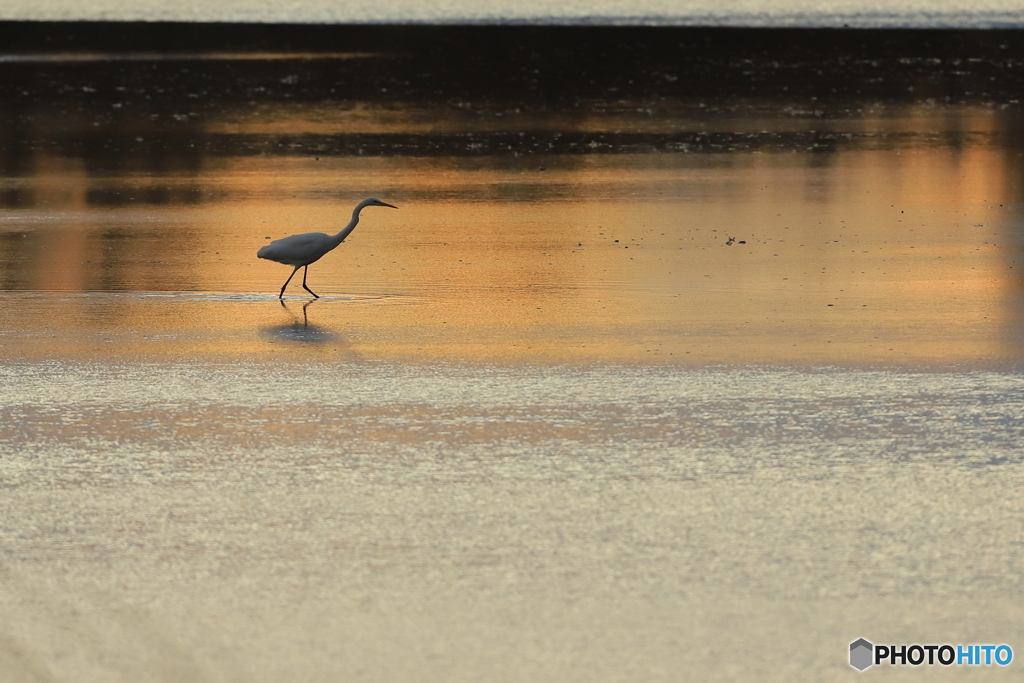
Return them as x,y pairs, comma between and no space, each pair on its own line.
304,273
285,285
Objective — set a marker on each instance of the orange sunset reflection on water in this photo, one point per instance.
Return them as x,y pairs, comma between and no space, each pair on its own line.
868,253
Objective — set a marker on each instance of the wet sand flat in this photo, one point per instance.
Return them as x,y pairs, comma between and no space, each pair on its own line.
699,363
239,522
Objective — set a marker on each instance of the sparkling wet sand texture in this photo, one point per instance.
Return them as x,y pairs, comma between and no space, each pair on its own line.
633,386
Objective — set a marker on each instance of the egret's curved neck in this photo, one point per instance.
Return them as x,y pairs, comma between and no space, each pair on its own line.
347,230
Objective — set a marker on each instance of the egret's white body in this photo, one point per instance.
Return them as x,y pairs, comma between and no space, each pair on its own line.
301,250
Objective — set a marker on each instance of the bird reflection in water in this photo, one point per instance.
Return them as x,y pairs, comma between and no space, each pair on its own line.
301,330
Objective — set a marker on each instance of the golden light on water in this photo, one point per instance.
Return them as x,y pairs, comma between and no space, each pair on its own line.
862,255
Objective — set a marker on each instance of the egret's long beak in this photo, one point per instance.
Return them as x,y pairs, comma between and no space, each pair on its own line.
390,206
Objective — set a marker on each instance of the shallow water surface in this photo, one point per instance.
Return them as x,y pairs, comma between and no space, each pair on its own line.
682,205
908,253
548,214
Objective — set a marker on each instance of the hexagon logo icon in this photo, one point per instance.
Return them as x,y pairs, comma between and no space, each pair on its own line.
861,654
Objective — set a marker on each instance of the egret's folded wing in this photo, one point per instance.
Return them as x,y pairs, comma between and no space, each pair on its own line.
296,250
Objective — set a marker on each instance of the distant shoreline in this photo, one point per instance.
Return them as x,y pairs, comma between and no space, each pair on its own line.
922,14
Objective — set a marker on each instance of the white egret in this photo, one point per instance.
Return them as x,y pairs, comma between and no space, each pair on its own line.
301,250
